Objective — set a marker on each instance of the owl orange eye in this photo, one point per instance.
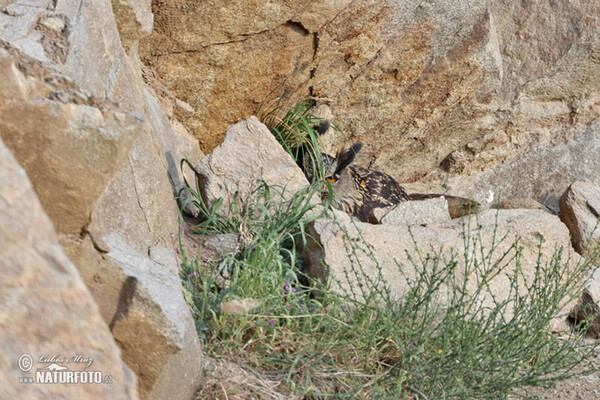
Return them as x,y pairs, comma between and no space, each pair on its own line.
331,179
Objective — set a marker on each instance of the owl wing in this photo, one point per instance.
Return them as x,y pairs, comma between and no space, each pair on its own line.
378,189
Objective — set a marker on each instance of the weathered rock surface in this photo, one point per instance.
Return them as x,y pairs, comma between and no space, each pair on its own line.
210,250
104,159
475,97
248,154
80,40
152,322
413,212
175,143
580,211
132,221
386,249
472,81
210,247
226,81
70,144
455,95
45,308
543,173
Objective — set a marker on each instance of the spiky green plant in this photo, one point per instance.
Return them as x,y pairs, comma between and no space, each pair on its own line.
296,133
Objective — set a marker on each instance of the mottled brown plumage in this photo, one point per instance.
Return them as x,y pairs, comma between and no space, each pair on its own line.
357,190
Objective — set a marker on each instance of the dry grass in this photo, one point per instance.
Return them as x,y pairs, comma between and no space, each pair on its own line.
226,379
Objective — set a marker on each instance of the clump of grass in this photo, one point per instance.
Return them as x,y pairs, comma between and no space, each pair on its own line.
296,133
404,349
294,129
349,345
268,265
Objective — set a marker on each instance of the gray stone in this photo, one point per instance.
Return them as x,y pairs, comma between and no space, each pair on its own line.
139,202
153,324
543,173
176,144
215,246
96,59
70,146
88,50
17,27
45,308
248,154
387,254
120,186
210,247
421,212
210,251
580,211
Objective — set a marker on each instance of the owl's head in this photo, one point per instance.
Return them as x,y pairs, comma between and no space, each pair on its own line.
335,166
318,165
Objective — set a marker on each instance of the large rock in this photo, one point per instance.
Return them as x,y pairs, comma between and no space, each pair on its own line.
152,322
384,252
134,219
80,40
443,89
228,81
105,151
174,140
70,144
580,211
455,95
45,308
412,212
140,297
543,173
248,154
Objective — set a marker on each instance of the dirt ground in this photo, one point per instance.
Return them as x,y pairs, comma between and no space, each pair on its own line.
583,388
228,380
586,387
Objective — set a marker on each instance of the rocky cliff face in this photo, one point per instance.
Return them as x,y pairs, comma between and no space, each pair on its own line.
101,150
100,100
446,95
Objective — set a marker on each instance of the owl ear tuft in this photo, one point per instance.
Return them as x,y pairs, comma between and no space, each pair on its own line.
321,128
346,157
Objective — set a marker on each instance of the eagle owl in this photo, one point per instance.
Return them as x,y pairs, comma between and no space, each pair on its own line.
357,190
